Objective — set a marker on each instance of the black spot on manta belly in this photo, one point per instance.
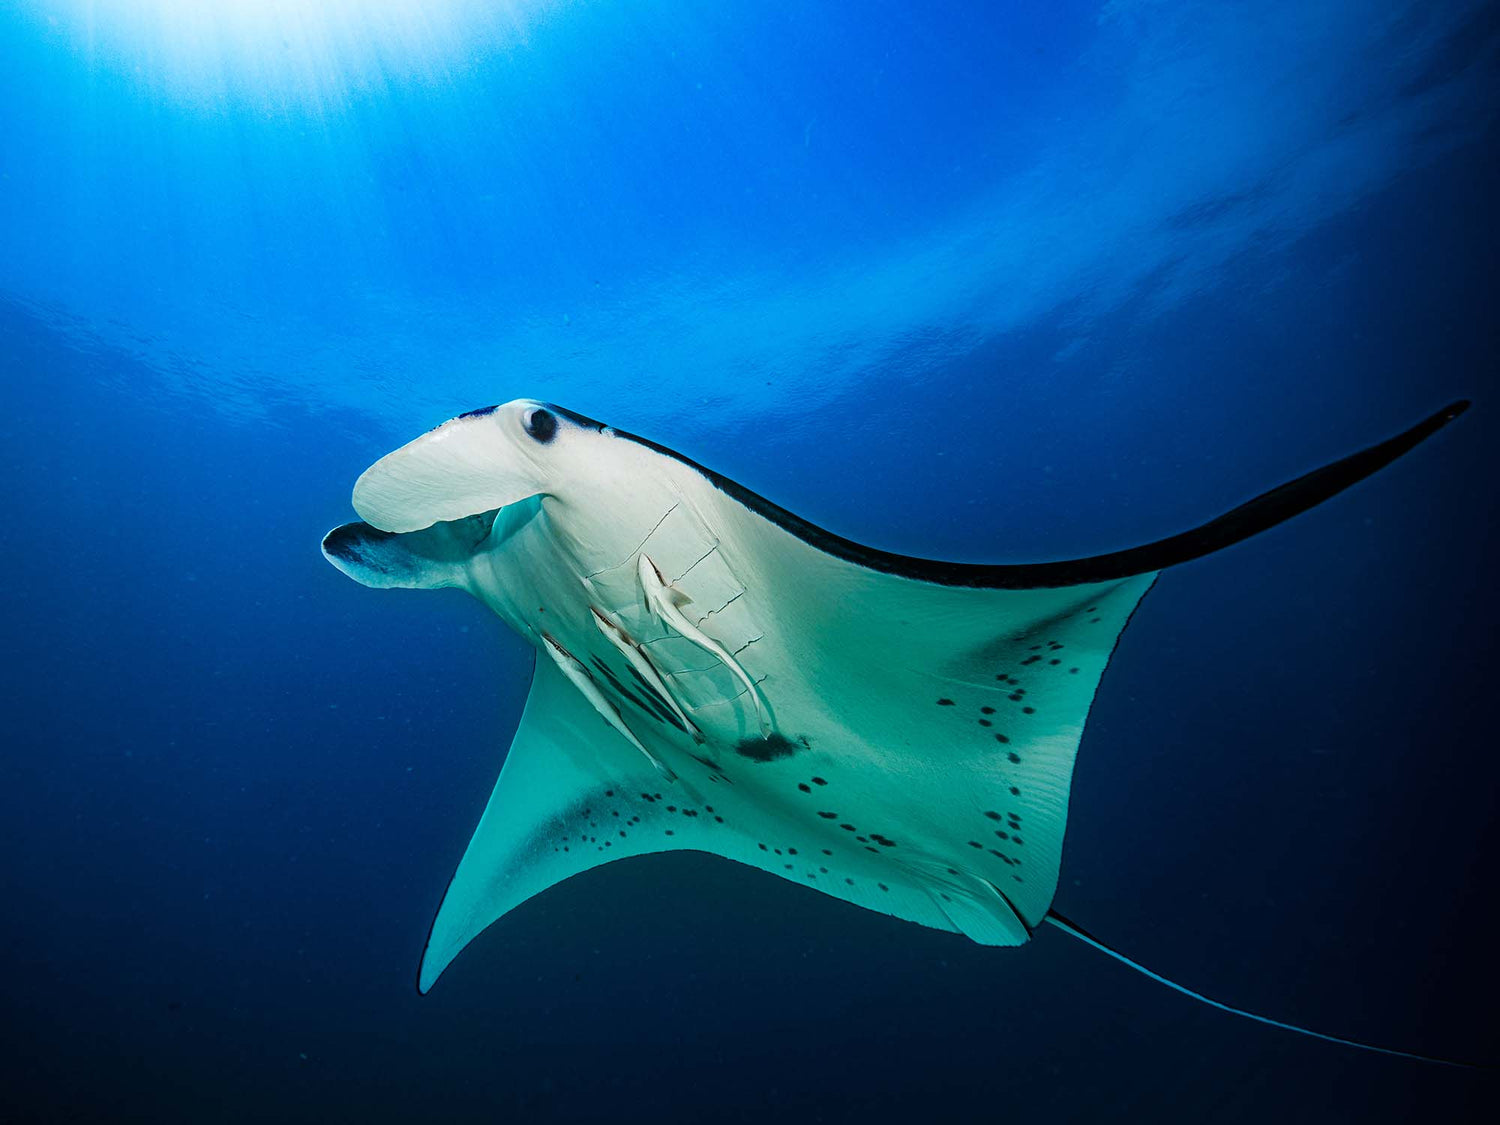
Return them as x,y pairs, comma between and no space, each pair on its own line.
775,745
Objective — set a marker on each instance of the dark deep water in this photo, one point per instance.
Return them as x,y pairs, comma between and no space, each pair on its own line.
990,282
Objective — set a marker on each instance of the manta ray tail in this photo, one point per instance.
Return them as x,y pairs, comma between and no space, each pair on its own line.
1088,939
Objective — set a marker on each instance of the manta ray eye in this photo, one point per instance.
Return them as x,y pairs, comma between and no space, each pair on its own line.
540,424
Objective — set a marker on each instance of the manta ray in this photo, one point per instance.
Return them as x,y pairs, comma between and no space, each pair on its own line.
715,673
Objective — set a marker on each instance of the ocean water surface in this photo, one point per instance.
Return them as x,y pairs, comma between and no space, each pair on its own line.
996,282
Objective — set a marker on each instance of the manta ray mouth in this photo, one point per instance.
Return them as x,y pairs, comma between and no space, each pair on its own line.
433,555
468,466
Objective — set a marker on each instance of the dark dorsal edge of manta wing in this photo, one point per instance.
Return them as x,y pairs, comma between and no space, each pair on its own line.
1250,518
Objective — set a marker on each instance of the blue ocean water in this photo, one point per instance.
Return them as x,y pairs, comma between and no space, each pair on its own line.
989,282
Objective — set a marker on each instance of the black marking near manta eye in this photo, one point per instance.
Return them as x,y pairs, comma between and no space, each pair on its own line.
540,424
480,413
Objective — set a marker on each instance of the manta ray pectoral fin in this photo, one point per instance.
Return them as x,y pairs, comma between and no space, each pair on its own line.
973,905
665,601
1259,514
570,798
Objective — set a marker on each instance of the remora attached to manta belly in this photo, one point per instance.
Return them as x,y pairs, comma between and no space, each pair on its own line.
723,676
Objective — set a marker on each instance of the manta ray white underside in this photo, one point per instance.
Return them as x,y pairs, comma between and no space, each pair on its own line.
716,674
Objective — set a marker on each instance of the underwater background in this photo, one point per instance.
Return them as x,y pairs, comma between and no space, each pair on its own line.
979,281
